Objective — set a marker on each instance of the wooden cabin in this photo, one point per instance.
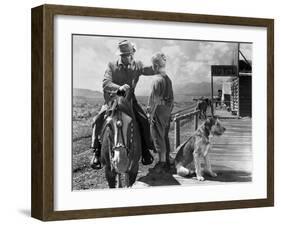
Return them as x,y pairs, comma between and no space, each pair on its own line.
241,91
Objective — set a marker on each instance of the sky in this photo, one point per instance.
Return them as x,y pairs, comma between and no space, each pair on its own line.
187,61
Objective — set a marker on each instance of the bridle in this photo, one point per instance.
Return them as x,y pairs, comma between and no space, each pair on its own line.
116,126
119,125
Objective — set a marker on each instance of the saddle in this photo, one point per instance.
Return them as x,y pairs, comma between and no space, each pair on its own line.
117,104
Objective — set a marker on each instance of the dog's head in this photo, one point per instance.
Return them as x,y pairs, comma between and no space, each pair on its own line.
214,126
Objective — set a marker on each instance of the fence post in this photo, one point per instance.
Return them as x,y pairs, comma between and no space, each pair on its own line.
177,131
195,121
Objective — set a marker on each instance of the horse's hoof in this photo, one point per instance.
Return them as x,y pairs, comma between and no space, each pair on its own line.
96,167
147,159
95,163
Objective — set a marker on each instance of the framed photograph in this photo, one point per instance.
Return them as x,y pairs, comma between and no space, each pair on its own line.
142,112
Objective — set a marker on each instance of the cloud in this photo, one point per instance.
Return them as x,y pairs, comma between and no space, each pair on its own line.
213,51
144,85
172,51
246,50
170,42
187,61
175,57
196,71
85,58
144,55
198,68
111,45
88,68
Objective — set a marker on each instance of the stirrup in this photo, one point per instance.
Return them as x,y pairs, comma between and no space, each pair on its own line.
147,160
95,162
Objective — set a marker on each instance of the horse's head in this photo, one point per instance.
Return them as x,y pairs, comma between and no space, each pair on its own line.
121,120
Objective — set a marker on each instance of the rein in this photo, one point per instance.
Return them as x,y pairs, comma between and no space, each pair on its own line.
119,129
110,122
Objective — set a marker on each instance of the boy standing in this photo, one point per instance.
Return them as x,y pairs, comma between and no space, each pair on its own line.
160,106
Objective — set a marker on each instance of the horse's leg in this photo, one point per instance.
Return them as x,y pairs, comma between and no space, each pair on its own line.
126,180
167,142
110,177
110,173
119,182
132,176
136,147
130,179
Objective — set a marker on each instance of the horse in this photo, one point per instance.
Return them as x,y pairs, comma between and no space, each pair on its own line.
202,106
121,142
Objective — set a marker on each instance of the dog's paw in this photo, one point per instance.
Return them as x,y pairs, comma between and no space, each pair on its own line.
200,178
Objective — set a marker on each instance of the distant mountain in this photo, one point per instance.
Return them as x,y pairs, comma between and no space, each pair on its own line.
197,89
191,89
87,93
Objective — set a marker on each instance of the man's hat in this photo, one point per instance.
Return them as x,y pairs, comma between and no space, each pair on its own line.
159,59
126,47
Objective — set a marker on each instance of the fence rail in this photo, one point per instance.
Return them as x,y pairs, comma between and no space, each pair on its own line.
177,118
185,110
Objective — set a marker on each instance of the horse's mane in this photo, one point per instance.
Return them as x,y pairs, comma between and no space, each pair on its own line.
122,104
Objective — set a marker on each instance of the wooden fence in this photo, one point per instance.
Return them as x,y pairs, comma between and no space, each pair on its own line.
177,118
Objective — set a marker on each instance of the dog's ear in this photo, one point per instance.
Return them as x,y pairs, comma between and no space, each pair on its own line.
207,127
210,122
207,122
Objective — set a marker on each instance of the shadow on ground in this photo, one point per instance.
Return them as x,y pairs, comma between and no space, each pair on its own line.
25,212
224,175
228,174
155,179
231,176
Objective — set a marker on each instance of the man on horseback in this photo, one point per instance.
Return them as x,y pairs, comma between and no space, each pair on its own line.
123,75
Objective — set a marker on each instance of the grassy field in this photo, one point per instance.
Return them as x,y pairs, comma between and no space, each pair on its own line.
84,109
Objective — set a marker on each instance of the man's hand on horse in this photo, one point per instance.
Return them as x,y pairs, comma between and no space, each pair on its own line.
124,88
148,112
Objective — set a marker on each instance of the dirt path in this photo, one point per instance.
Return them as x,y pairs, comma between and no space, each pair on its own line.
84,177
